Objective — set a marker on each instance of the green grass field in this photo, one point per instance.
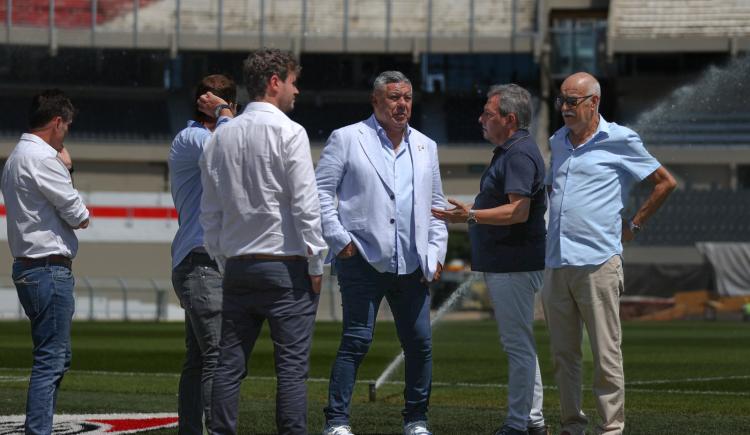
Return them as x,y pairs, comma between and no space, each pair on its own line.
682,377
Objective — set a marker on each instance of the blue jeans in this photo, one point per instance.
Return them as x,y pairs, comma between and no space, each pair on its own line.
362,289
46,293
256,291
197,283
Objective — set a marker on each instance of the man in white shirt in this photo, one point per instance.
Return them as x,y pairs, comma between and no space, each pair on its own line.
261,219
43,209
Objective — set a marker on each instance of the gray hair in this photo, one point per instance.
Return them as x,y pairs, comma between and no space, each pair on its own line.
387,77
595,88
513,99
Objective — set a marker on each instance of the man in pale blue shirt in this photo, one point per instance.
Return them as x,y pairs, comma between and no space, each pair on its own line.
594,164
384,243
195,276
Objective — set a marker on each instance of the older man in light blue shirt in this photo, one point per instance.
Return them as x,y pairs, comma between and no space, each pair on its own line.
594,165
386,243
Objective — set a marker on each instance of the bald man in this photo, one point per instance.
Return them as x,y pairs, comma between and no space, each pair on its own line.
594,165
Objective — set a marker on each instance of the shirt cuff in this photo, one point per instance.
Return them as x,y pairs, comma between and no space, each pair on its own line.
315,265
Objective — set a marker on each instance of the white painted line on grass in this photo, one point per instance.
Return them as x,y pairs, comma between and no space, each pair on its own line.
674,381
435,384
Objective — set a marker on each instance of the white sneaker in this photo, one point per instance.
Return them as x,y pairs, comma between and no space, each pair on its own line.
416,428
337,430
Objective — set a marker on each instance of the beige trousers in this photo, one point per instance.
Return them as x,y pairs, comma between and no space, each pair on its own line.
577,296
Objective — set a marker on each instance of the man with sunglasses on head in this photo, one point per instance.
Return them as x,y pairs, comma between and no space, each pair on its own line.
594,164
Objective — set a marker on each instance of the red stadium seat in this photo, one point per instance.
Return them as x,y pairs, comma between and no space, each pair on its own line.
68,13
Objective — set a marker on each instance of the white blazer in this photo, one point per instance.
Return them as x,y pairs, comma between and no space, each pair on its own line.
352,168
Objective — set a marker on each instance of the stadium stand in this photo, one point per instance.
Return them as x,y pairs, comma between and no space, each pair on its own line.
694,25
100,120
700,129
692,216
67,13
327,17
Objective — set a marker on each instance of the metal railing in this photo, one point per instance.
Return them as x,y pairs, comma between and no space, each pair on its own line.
152,299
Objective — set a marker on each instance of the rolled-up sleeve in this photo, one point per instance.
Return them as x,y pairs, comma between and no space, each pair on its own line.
53,180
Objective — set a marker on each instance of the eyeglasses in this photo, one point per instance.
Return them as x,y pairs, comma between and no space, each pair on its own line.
570,101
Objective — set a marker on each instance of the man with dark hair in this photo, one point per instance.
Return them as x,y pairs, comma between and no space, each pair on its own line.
43,209
260,212
386,177
195,276
507,230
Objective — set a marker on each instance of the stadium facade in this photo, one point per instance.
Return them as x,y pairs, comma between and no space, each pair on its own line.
129,65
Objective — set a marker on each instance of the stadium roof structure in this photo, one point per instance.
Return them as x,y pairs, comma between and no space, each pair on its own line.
648,26
401,26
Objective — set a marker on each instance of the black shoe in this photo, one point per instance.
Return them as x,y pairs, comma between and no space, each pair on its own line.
539,430
507,430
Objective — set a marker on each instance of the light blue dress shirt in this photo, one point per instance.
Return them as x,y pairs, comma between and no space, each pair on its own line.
400,170
589,186
185,181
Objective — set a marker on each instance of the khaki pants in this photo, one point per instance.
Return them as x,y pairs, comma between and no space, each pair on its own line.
575,296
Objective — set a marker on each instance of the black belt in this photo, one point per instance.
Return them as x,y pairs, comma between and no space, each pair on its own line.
200,258
268,257
50,260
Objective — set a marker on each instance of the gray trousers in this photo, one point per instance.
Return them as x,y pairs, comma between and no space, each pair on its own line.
281,293
512,296
197,283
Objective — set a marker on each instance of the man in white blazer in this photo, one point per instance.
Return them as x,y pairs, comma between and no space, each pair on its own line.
384,242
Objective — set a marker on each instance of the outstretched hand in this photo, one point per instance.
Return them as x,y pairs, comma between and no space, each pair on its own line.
455,215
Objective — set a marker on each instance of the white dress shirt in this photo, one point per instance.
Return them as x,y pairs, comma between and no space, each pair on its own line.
41,204
259,190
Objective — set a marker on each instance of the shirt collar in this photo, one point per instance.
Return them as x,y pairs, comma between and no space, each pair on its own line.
519,134
196,124
263,107
31,137
372,121
602,130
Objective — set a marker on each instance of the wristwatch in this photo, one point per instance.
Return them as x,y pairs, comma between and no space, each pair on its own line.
219,108
634,227
472,219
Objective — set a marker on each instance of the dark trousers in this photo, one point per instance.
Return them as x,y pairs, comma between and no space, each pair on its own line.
197,282
281,293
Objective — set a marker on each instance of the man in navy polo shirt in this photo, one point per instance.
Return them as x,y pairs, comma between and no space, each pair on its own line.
507,230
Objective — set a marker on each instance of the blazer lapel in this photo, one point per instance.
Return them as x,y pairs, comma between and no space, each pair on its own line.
370,143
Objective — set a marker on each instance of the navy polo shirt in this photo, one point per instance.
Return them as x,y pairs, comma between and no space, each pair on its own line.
517,167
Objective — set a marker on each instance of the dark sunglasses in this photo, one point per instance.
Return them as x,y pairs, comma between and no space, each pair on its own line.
570,101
